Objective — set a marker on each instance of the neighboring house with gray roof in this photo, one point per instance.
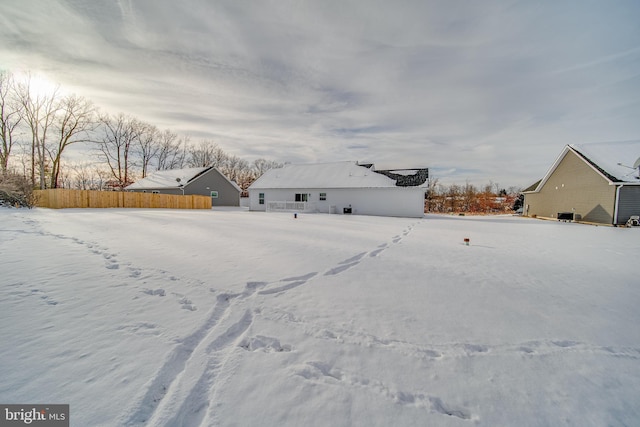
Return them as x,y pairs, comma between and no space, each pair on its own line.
206,181
341,187
597,183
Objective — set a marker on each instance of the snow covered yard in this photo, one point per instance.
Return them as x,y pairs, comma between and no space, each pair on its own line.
169,318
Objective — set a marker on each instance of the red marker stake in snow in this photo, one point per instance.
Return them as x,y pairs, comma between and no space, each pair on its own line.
466,241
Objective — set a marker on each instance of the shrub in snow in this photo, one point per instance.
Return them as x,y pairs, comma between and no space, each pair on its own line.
15,191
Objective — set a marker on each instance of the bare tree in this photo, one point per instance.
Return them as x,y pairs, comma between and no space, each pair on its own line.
11,114
469,195
172,151
431,195
81,176
206,153
75,119
453,198
101,178
115,143
235,167
89,176
260,166
514,191
148,146
220,158
39,113
245,173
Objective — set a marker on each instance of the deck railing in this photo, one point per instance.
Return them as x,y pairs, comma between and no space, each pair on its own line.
287,206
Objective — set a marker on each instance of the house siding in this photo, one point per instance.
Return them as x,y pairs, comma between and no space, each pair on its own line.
212,180
628,203
574,187
228,195
392,201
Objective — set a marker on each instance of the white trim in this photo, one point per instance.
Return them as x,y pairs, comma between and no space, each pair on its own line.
615,207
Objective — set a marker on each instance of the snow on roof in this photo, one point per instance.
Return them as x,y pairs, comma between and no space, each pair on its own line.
323,175
405,172
615,159
172,178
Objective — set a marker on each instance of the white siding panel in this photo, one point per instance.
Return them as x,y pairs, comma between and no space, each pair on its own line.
395,201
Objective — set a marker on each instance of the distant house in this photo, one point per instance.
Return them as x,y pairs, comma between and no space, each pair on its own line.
207,181
342,187
597,183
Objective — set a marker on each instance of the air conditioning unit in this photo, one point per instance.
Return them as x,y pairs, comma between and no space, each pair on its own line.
569,216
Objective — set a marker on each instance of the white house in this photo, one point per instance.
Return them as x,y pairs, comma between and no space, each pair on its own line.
342,187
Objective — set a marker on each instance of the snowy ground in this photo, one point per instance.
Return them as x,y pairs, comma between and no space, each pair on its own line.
169,318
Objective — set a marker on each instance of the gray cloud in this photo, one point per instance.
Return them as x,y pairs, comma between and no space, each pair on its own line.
476,90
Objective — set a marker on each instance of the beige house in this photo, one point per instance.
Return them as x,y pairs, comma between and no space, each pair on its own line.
597,183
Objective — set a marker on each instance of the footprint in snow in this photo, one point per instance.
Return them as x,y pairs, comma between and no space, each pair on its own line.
282,288
264,344
324,372
44,297
340,269
48,300
187,304
297,278
476,348
353,258
376,252
134,272
564,343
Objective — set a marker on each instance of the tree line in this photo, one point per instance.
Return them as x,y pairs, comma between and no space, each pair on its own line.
38,127
454,198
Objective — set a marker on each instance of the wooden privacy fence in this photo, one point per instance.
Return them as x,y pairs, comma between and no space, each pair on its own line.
61,199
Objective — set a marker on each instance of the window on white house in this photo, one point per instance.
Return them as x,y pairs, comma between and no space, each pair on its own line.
301,197
261,198
323,196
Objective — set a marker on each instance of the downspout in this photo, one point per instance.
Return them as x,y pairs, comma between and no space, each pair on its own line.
615,207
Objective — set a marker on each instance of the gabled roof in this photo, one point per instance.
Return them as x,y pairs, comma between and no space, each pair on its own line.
173,178
612,160
324,175
615,160
532,187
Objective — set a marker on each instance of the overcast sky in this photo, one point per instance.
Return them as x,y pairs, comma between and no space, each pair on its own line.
475,90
